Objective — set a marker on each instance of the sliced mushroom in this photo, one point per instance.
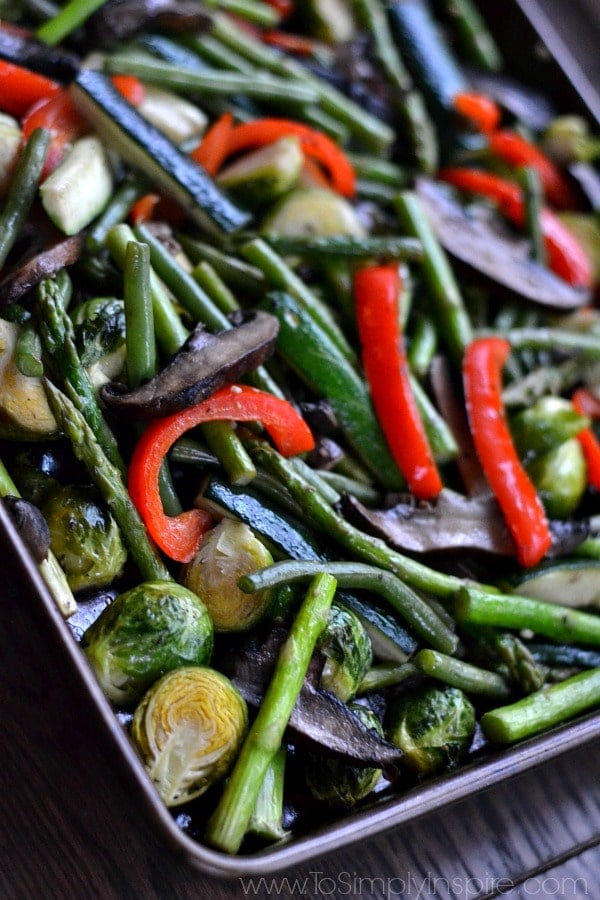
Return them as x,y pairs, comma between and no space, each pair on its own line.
478,238
451,522
38,264
205,363
119,20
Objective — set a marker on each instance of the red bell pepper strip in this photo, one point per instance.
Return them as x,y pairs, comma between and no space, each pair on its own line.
376,292
143,209
521,506
289,42
516,150
583,402
20,88
566,256
284,7
212,150
480,110
315,144
130,87
180,536
57,114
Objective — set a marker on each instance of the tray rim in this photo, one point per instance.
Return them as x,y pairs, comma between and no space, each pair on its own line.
390,812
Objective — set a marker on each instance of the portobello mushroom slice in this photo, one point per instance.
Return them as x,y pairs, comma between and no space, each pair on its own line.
318,717
205,363
120,20
477,237
39,263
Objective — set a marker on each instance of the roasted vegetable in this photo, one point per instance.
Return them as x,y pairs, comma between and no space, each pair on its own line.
188,729
433,726
346,646
145,632
84,536
337,783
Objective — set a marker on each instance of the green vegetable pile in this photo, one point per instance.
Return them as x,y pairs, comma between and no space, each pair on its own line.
300,389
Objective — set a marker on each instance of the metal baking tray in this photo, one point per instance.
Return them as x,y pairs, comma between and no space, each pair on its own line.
573,90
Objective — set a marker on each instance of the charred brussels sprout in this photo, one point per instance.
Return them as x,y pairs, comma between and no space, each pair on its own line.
84,537
348,653
144,633
188,729
336,782
229,551
434,727
100,337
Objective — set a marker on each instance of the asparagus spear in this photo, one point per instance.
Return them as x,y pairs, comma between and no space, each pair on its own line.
229,822
109,481
58,341
543,709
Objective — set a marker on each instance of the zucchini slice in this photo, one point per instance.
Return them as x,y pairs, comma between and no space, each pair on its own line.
574,582
144,147
79,188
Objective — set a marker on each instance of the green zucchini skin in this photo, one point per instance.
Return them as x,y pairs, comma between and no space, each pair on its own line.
571,582
308,350
146,148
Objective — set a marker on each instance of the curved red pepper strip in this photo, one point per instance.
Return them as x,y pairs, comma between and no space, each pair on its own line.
566,256
516,150
212,150
480,110
583,402
180,536
520,504
376,291
249,135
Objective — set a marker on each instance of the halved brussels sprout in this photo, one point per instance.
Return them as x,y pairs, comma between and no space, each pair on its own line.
434,727
560,477
346,646
145,632
228,551
335,781
84,537
188,730
100,337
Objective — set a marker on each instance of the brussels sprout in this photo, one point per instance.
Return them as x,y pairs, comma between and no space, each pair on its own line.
84,537
560,477
335,781
228,551
346,646
100,337
545,425
434,727
188,730
144,633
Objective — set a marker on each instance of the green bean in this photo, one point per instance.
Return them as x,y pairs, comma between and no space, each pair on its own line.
233,271
139,318
439,435
422,346
533,198
361,545
345,485
22,190
406,602
213,285
251,10
214,51
375,169
545,708
474,36
460,674
223,441
454,324
115,212
384,676
367,128
216,82
420,129
169,329
385,247
477,606
109,482
551,339
73,14
229,821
